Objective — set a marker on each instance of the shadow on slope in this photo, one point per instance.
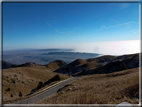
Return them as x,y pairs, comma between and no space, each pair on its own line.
100,65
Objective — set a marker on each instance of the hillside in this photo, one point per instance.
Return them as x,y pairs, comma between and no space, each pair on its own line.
6,65
52,65
113,88
25,78
107,80
99,65
55,64
113,74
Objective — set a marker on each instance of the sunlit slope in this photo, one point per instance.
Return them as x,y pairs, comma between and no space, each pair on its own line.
25,79
110,88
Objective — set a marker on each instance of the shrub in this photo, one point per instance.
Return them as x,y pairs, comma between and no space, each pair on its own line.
11,95
57,77
20,94
13,81
8,89
40,85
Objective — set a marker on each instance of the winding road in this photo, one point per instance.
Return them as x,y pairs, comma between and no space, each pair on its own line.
46,93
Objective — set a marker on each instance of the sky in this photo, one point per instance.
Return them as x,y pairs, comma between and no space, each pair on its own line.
86,27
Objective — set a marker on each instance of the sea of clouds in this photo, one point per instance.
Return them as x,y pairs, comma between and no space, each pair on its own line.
107,48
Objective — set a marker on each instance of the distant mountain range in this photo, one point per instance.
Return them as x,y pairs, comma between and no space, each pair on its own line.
44,56
102,64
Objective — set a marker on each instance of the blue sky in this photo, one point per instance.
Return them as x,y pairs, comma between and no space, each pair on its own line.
48,25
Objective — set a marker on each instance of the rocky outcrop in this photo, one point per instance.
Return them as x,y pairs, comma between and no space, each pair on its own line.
28,64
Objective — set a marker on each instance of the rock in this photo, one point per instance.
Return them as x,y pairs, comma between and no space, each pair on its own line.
74,86
62,92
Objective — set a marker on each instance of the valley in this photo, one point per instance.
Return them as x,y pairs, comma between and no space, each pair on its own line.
44,56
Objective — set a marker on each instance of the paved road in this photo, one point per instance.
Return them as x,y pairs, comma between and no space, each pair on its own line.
47,93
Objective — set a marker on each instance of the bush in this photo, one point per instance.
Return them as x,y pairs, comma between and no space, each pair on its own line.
57,77
13,81
40,85
8,89
20,94
11,95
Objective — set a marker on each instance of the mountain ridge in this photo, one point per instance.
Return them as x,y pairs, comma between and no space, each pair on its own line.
52,65
102,64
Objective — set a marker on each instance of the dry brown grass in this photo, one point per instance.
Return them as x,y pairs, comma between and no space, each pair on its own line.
24,79
111,88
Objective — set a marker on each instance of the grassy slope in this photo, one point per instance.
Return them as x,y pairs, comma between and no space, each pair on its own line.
111,88
26,79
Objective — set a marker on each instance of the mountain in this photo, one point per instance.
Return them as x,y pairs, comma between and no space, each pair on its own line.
102,64
44,56
55,64
6,65
25,79
52,65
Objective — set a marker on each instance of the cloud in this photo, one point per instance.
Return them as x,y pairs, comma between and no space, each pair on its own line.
117,47
104,27
124,5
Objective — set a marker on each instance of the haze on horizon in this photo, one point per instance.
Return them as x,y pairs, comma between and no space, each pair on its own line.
104,28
